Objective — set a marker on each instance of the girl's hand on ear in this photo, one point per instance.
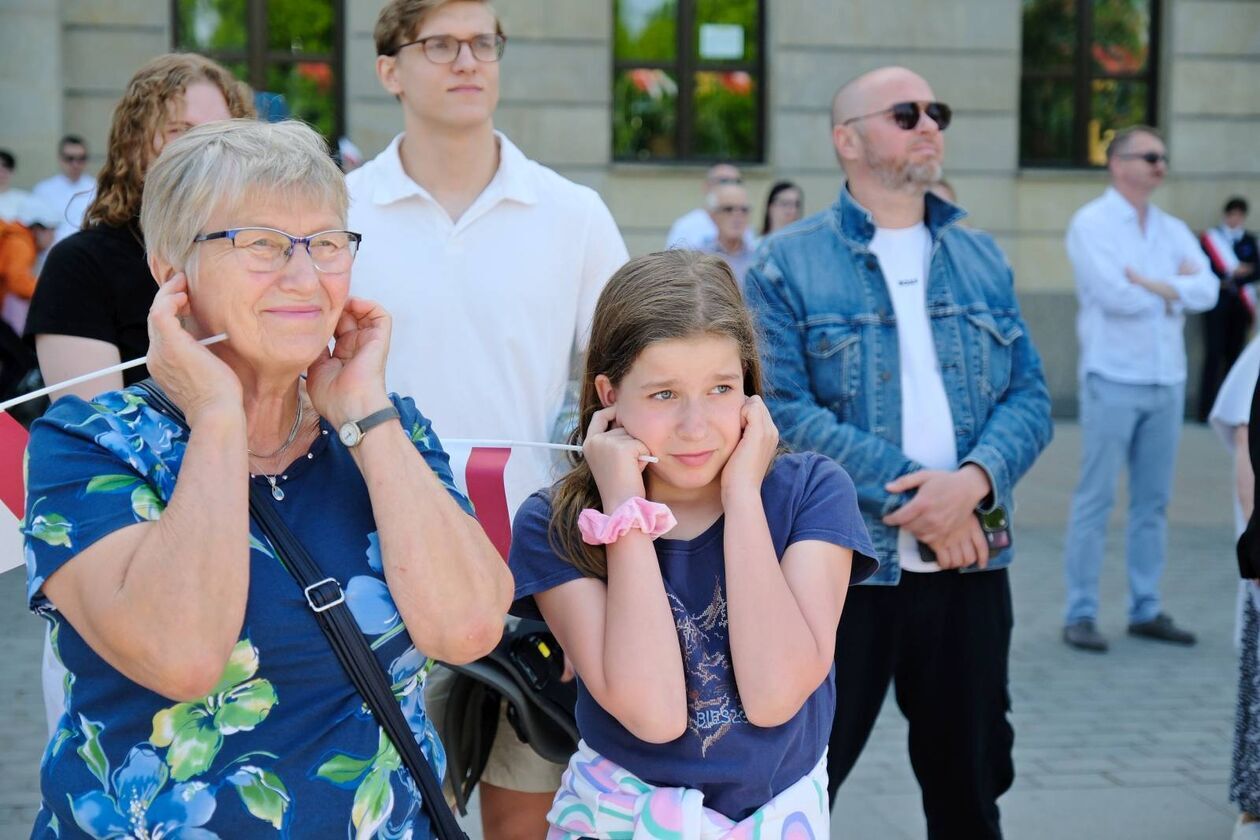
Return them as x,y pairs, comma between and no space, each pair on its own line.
194,378
613,456
758,441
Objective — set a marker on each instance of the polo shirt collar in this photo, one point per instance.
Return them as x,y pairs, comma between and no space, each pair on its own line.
512,181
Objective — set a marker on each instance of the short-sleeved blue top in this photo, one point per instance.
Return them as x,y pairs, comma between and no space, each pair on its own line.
738,766
283,745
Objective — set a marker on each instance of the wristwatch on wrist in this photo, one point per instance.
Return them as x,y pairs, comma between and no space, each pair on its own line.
352,431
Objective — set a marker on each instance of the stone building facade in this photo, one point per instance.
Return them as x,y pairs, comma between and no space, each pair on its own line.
63,63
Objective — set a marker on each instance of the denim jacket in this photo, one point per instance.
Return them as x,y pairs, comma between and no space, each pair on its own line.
829,342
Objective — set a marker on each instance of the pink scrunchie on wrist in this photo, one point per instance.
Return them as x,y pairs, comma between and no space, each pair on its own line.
652,518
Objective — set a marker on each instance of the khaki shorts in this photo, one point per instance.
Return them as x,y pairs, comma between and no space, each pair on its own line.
512,764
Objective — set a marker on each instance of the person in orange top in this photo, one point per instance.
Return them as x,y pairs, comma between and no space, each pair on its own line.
21,243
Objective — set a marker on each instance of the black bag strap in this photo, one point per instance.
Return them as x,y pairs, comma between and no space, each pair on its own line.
327,602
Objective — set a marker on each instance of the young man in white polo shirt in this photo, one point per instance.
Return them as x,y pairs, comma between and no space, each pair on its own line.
490,265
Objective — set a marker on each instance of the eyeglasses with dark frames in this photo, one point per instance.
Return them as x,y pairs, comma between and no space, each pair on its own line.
1150,157
268,249
444,49
906,114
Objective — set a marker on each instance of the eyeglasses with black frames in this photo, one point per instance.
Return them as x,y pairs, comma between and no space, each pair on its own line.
444,49
906,114
268,249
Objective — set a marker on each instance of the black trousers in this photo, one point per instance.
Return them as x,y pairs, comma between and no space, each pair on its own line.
943,640
1224,337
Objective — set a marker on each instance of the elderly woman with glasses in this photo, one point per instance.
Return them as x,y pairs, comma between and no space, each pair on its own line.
204,699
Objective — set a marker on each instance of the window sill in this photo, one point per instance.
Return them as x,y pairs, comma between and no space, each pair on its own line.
682,167
1062,173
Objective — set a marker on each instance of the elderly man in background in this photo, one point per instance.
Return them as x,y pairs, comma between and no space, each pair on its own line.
729,209
694,227
1138,272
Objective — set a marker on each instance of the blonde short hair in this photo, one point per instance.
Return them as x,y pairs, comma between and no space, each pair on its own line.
400,20
226,164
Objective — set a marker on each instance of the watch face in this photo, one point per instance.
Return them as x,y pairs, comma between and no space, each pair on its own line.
349,434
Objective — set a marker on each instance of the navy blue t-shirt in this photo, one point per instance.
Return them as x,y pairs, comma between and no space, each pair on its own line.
738,766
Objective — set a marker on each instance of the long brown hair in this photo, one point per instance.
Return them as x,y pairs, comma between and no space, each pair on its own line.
662,296
140,116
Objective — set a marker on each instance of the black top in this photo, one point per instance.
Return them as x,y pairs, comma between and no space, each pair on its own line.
96,284
1249,542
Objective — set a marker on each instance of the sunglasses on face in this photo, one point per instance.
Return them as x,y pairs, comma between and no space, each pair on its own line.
906,114
1150,157
74,158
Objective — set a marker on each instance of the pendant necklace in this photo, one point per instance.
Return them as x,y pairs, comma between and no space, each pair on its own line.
276,492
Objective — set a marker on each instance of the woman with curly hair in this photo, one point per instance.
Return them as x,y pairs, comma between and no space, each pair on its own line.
95,290
92,302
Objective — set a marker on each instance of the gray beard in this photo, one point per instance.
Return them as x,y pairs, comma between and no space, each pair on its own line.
908,177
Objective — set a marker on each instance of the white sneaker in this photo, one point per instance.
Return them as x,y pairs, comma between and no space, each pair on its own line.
1246,831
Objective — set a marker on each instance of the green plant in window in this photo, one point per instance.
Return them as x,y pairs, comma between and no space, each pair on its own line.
212,24
1050,33
1121,32
645,113
300,25
725,115
646,30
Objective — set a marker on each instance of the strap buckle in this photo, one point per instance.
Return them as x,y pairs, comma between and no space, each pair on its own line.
319,608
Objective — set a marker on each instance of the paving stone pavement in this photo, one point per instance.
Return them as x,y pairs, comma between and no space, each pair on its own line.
1132,744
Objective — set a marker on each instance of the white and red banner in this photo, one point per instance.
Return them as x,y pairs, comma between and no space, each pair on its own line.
12,491
1220,251
486,472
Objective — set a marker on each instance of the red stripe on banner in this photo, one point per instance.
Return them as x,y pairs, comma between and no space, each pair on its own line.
484,474
12,447
1214,254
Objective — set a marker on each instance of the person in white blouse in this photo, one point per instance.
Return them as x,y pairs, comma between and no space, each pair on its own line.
1138,272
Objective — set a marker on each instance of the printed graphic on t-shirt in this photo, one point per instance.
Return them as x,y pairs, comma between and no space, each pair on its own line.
713,706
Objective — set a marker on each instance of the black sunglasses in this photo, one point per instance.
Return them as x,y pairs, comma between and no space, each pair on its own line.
1150,157
906,114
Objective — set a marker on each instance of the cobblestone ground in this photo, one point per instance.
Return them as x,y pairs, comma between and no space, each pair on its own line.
1133,744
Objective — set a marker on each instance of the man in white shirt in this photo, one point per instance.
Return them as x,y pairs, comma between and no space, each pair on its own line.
696,227
70,191
490,265
1138,272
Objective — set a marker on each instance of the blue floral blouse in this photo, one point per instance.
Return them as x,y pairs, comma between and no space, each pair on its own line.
283,745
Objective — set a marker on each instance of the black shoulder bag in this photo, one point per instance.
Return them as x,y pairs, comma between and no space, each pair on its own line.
327,601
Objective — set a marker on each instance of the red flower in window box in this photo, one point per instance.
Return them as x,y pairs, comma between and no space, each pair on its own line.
317,72
737,82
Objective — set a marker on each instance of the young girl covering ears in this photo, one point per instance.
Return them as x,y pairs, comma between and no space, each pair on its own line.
697,597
